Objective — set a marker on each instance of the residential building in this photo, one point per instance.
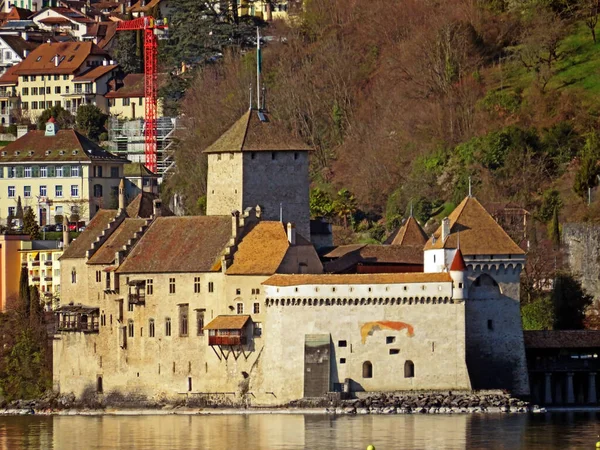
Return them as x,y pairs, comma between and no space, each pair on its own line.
10,268
10,100
63,20
13,50
57,173
102,34
41,258
126,97
137,179
69,74
238,303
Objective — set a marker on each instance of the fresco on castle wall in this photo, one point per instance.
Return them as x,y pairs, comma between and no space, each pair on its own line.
369,328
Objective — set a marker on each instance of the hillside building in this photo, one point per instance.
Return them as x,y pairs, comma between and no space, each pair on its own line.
58,172
236,306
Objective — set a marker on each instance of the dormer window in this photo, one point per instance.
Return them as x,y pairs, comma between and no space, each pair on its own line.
74,152
3,153
31,152
38,59
61,152
48,152
17,153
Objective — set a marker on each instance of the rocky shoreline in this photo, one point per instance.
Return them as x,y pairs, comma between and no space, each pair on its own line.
374,403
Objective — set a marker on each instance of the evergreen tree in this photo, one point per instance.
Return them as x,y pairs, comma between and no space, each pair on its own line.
19,213
30,225
554,229
570,302
129,61
63,118
24,293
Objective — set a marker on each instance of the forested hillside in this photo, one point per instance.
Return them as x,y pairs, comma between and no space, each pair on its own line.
404,100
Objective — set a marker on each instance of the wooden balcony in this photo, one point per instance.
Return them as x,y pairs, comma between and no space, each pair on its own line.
47,278
81,327
48,263
137,299
227,340
35,278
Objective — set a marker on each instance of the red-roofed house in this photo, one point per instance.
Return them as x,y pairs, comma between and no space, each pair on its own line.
64,20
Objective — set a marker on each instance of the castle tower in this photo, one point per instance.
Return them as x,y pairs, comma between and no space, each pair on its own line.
491,289
256,162
458,272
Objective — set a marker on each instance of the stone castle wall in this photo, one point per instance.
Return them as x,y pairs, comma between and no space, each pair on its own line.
224,184
582,245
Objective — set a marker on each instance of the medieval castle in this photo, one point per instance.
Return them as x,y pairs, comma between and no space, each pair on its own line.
239,303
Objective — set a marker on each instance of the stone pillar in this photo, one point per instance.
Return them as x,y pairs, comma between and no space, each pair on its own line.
592,388
570,393
558,394
548,389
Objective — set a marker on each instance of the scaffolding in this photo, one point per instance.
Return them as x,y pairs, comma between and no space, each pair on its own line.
126,138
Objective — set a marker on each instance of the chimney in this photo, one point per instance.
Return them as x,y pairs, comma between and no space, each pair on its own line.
291,233
56,60
122,195
445,228
258,211
105,62
22,131
235,223
157,207
35,7
65,232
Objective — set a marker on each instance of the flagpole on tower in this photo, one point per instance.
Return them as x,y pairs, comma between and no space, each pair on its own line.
258,68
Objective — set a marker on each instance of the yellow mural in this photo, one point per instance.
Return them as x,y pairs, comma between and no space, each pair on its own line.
370,327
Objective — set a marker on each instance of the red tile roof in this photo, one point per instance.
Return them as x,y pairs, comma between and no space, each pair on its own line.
71,14
132,86
72,55
180,244
458,263
95,73
10,78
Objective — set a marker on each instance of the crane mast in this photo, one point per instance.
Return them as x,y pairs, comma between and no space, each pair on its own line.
152,29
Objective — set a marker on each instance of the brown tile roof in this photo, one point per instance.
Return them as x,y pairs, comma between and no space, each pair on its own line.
72,55
84,241
366,278
116,241
227,323
479,233
410,234
143,206
35,146
343,250
180,244
249,133
18,44
95,73
132,86
562,339
261,251
372,254
19,14
10,78
104,31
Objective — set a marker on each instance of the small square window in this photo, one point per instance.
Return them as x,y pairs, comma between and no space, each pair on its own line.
238,291
342,360
394,351
490,324
342,344
390,339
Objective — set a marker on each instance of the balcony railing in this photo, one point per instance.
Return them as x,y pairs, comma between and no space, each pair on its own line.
8,93
48,278
227,340
35,278
74,326
565,365
35,263
48,263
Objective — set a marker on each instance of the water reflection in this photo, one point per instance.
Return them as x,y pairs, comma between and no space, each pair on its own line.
551,431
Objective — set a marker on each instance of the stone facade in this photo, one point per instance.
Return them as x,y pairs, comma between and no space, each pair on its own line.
582,245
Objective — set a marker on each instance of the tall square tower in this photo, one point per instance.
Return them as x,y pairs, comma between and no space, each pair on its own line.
257,162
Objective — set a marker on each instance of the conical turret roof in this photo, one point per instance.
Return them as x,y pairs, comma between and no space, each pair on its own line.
410,234
458,262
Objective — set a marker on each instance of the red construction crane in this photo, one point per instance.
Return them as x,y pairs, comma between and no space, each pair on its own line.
152,29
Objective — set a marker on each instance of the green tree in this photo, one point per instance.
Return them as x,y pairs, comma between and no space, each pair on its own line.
19,213
24,292
570,302
129,61
321,204
90,121
554,229
30,225
538,315
551,202
63,118
344,205
587,175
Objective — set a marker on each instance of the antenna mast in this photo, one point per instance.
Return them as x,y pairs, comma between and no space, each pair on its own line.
258,67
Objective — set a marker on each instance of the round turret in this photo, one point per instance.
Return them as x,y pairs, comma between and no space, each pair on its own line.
458,272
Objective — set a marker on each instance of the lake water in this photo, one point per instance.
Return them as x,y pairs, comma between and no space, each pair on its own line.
568,430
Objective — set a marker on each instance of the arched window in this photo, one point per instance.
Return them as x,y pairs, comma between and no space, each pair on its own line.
409,369
367,369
